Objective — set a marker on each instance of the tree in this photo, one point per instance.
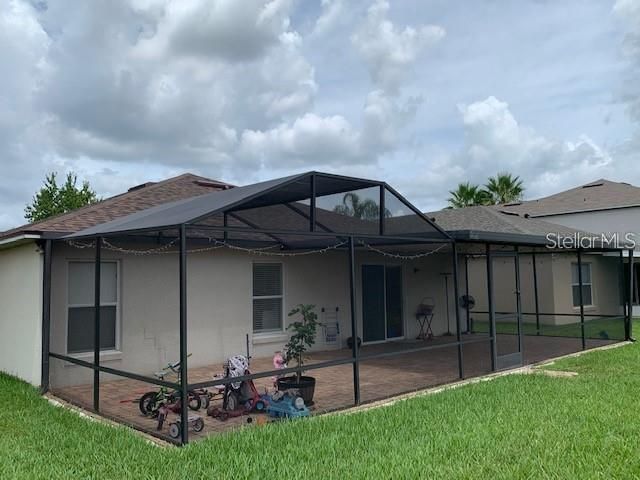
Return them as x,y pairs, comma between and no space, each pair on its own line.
468,195
53,199
354,206
504,188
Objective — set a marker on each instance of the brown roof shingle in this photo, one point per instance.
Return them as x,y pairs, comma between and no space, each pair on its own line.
138,198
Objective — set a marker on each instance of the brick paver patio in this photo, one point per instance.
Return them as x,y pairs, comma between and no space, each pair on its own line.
379,378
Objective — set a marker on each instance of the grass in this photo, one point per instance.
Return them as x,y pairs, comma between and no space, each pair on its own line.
594,328
517,426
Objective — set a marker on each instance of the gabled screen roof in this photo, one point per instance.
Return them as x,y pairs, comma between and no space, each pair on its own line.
291,193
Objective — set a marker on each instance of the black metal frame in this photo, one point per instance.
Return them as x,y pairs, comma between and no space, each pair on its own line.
46,315
627,295
96,325
535,291
629,319
356,357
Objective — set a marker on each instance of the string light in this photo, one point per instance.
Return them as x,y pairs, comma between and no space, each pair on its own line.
164,249
398,256
158,250
260,251
283,254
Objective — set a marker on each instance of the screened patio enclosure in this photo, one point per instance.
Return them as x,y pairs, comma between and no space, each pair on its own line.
199,280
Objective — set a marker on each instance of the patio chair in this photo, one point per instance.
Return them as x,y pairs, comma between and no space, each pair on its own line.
424,318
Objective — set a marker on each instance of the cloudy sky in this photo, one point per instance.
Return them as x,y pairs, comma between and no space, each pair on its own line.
421,93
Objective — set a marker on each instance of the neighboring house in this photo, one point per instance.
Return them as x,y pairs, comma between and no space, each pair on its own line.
237,297
601,207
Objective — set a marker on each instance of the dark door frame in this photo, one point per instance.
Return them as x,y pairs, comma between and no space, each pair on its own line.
384,267
514,359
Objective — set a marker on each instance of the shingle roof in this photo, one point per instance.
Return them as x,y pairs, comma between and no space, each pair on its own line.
492,220
598,195
138,198
183,210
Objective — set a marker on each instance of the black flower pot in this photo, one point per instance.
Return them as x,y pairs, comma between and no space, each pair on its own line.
306,386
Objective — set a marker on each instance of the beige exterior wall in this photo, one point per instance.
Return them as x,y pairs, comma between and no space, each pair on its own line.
606,283
220,304
554,286
21,312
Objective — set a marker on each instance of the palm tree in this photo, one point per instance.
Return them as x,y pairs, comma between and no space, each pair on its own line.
354,206
467,195
504,188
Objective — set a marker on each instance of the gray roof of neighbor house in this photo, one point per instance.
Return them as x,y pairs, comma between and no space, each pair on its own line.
137,198
598,195
484,223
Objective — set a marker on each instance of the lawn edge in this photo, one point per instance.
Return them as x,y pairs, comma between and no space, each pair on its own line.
97,418
538,367
532,368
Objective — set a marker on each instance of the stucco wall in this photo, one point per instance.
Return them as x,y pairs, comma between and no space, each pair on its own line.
554,286
606,284
21,312
220,304
622,220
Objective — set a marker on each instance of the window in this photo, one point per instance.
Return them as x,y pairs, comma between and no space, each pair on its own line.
80,302
267,297
587,287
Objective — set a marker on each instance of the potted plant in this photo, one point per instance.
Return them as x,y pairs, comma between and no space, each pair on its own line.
303,337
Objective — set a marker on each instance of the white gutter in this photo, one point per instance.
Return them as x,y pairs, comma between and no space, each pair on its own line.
18,239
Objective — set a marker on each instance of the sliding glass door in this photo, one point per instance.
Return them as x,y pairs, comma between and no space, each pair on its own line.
382,316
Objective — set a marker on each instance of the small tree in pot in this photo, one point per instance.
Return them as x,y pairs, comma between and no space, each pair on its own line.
303,337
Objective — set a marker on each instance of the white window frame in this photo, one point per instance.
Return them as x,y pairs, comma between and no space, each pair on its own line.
68,306
282,297
584,284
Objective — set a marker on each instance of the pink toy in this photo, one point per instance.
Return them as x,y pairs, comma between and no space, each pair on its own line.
278,363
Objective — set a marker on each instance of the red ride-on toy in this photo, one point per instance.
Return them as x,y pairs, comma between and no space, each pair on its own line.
241,397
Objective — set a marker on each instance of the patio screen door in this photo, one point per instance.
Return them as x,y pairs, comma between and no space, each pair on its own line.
507,316
381,303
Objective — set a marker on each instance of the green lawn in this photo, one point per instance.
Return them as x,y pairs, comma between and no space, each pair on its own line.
595,328
518,426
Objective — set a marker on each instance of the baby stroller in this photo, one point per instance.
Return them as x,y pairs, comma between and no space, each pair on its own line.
243,394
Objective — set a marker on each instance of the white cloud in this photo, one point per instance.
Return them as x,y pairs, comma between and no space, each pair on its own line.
628,12
389,51
494,141
332,10
334,140
229,29
23,49
124,91
309,140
